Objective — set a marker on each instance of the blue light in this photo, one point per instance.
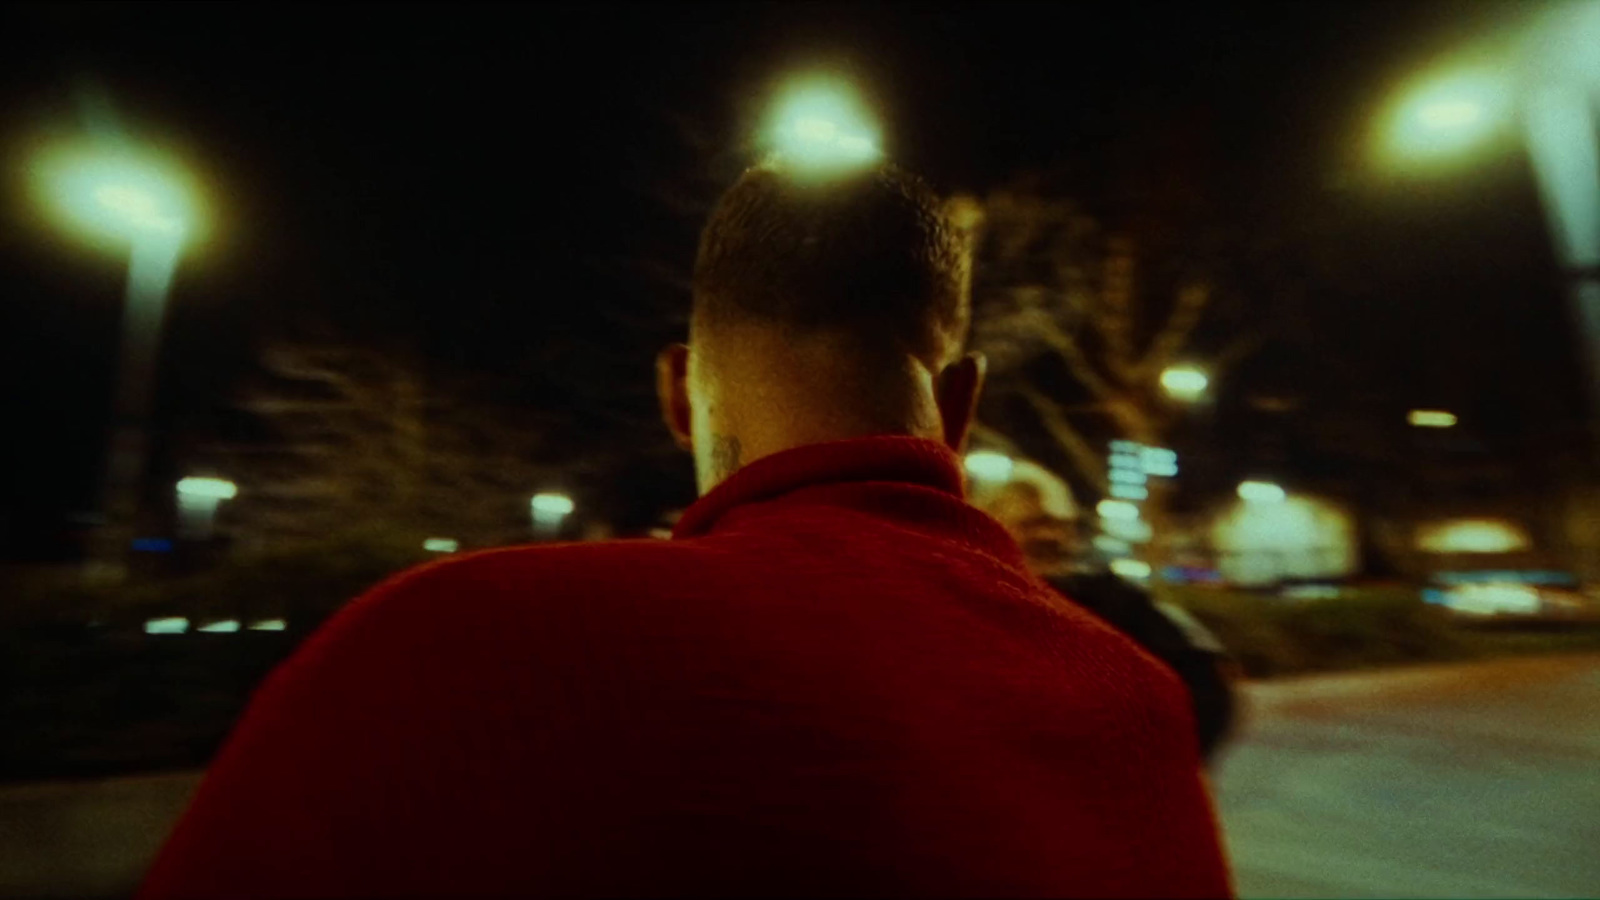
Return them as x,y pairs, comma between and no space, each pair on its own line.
152,545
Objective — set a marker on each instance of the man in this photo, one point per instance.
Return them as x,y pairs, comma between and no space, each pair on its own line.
1038,509
838,678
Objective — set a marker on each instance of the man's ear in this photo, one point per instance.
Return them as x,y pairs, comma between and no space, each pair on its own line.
672,389
959,386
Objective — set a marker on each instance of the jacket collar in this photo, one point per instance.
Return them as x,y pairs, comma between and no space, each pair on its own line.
890,458
913,479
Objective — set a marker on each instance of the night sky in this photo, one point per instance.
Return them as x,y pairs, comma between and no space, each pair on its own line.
487,182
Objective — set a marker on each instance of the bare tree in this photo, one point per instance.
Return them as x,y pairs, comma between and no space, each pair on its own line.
357,438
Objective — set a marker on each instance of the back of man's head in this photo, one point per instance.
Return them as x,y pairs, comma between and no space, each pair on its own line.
825,308
869,257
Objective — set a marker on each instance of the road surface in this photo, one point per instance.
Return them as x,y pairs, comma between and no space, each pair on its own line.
1461,781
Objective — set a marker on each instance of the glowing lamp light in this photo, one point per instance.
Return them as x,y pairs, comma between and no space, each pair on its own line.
168,625
1445,117
1184,383
117,193
269,625
1119,510
208,488
225,626
552,504
1431,418
1261,492
1473,536
821,127
987,465
1131,569
441,545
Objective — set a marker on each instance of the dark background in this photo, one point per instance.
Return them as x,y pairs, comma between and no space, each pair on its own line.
492,184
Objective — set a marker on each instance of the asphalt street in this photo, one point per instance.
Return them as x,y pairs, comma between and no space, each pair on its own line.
1459,781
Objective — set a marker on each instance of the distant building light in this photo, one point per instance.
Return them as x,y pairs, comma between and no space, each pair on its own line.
152,545
210,488
1111,546
1261,492
1492,599
988,465
1131,569
169,625
552,504
1120,510
1431,418
269,625
1184,382
441,545
226,626
1473,536
1129,492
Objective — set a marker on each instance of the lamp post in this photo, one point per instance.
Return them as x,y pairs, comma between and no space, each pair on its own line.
128,198
1547,87
198,499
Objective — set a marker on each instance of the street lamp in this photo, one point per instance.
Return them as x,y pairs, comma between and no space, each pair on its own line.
1261,492
820,128
198,499
1431,418
549,511
1185,384
1548,87
989,466
119,195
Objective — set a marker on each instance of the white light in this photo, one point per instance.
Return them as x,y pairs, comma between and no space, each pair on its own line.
820,125
169,625
1431,418
1184,382
552,504
1127,447
1473,536
1126,461
1111,546
1126,476
1120,510
987,465
441,545
269,625
1261,492
226,626
1131,569
208,488
1129,492
1490,599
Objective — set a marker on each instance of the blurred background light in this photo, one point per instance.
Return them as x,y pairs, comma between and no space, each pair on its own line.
1431,418
1131,569
225,626
168,625
988,465
1261,492
441,545
1473,536
269,625
1120,510
1444,117
114,192
820,126
208,488
1184,383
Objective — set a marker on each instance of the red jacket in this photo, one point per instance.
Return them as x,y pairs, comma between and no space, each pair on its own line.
838,679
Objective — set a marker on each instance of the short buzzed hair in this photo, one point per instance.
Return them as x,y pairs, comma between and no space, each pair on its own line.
870,256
